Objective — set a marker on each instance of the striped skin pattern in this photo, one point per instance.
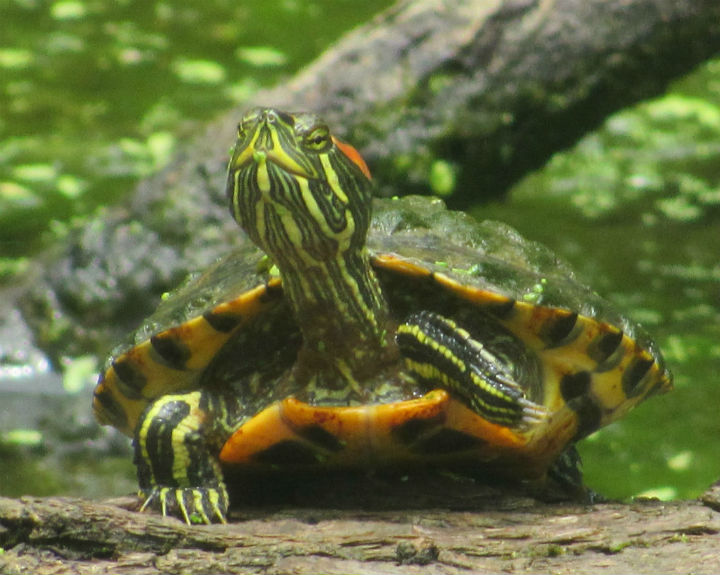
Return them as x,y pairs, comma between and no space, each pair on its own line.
439,352
169,427
386,360
306,200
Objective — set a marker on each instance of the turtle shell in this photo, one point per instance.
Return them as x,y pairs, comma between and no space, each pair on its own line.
584,363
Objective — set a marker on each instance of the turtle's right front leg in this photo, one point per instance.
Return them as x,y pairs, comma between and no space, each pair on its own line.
177,442
441,353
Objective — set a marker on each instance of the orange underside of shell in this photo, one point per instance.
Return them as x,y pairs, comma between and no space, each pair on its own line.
394,433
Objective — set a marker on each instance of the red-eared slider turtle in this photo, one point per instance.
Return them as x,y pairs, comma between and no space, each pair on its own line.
344,339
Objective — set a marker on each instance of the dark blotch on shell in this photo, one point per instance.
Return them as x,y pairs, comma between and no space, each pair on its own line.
223,322
112,409
558,329
172,350
634,375
574,385
320,437
131,379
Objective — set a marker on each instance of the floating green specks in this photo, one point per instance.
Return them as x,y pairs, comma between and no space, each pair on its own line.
662,493
79,373
71,186
61,43
196,519
161,146
13,195
68,10
681,461
647,316
15,58
473,270
23,437
241,91
261,56
675,348
402,162
442,177
199,71
679,209
145,157
36,173
439,82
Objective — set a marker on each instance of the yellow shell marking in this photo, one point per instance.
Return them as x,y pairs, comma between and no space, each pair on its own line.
200,339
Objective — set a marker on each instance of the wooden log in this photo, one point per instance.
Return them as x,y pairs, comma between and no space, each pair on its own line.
513,535
495,87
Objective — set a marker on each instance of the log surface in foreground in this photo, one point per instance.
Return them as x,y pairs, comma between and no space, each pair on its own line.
514,534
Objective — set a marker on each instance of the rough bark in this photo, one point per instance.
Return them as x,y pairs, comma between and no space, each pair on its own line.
506,534
481,91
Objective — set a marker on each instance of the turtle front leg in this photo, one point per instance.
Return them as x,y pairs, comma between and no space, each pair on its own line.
177,442
440,353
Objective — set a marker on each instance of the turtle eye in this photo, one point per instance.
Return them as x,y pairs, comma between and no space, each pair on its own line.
318,139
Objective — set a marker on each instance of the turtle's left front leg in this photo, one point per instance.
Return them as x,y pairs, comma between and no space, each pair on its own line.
177,442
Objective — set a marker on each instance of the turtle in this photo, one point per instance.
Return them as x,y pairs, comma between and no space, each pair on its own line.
351,332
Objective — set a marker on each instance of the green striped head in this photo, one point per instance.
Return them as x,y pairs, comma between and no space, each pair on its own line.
302,196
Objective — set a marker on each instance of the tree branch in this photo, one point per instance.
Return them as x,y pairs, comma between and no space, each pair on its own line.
496,87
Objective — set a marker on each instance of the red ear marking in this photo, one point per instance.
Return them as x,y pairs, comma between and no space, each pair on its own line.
353,155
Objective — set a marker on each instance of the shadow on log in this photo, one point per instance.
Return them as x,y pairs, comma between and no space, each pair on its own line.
463,529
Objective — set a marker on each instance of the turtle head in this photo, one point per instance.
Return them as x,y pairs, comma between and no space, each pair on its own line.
302,195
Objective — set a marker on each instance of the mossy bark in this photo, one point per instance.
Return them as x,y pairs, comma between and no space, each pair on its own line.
490,532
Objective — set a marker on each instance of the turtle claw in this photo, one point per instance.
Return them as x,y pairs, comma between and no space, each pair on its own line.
192,504
532,413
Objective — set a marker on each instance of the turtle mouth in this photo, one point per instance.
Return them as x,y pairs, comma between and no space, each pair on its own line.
262,159
282,162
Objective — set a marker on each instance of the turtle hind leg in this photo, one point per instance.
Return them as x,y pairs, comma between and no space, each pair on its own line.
176,455
565,479
439,352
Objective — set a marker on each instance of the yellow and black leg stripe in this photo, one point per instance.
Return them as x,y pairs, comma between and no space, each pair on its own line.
566,473
176,455
440,353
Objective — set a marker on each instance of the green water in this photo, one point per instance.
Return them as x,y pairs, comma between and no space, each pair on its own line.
95,95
